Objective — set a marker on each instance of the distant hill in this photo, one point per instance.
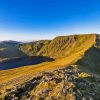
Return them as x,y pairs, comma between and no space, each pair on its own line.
10,42
9,50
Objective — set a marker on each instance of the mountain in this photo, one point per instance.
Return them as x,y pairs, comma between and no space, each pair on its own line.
10,42
9,50
62,47
91,59
73,67
58,47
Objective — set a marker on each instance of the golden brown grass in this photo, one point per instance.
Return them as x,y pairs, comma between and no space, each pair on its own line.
76,52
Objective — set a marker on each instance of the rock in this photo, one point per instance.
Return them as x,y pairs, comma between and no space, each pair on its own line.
84,98
70,78
8,97
64,90
51,98
45,90
90,98
71,90
70,67
64,81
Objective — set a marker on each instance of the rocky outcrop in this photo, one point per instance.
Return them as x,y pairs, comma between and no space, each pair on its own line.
62,84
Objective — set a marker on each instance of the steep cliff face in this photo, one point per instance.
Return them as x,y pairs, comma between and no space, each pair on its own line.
91,60
97,41
33,48
58,47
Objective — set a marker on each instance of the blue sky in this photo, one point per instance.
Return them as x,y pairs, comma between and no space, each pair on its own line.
26,20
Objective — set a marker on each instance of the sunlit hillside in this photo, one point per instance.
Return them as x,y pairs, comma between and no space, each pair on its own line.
58,47
79,51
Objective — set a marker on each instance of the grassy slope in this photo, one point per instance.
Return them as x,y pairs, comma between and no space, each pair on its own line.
83,43
60,46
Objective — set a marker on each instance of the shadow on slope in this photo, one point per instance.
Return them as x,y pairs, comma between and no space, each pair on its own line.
23,61
90,61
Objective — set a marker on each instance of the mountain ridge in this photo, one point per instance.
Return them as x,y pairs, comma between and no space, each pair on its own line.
59,47
81,52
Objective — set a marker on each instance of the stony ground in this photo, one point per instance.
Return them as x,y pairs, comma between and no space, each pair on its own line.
62,84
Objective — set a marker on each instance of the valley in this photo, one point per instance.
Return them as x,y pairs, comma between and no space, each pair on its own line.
34,63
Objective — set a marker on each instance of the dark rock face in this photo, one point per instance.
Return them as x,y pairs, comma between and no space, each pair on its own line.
62,84
98,40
